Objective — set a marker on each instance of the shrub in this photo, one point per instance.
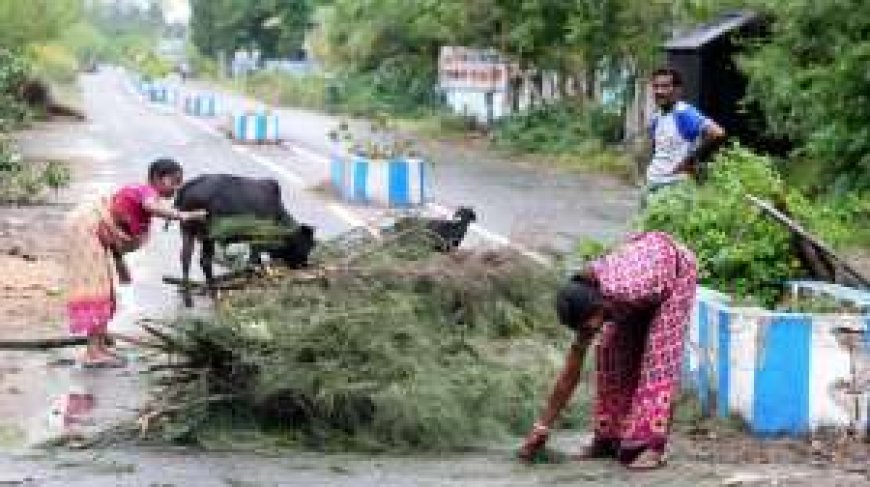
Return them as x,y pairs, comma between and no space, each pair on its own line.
54,62
14,73
306,91
739,250
558,129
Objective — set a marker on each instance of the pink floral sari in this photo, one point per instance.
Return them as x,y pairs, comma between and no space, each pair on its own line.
649,287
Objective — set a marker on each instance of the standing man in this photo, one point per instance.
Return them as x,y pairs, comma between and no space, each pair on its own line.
681,135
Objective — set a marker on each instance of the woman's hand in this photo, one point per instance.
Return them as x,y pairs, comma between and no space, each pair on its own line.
535,440
187,216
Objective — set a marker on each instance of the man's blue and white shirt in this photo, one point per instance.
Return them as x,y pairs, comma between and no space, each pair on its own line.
674,134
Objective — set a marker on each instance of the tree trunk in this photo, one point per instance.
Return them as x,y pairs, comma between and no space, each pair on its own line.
591,78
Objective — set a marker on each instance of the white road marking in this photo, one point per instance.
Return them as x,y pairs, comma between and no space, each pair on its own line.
352,219
202,125
311,154
284,172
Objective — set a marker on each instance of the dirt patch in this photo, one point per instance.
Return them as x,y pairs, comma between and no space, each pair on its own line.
31,261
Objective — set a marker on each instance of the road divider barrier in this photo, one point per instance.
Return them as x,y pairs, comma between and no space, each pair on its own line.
163,94
782,373
395,183
255,128
201,105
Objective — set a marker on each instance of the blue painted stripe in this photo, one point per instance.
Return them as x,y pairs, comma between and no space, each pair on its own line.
399,192
781,396
360,180
241,127
723,383
260,127
337,171
703,380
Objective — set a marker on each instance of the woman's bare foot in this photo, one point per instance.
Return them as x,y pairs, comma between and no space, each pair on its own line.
649,459
95,358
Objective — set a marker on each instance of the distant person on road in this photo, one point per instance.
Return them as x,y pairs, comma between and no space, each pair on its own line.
99,234
638,297
681,136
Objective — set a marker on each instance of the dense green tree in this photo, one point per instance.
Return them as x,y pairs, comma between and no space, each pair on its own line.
812,82
275,27
22,23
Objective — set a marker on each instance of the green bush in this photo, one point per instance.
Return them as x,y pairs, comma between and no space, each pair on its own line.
741,251
14,72
287,89
54,62
558,129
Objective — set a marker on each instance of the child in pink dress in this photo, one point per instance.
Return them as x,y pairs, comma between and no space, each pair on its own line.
99,235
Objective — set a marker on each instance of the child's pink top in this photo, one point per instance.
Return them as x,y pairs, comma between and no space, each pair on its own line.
127,207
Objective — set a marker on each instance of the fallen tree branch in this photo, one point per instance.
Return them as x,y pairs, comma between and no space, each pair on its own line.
802,233
29,344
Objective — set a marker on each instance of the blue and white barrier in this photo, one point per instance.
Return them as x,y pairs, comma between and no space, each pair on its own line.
253,127
783,373
159,93
392,183
200,105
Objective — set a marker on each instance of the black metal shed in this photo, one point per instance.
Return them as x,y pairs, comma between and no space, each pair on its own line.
705,57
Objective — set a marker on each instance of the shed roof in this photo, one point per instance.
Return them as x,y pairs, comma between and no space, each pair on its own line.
707,33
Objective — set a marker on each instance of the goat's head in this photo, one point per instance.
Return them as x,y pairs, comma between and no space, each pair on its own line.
295,248
465,214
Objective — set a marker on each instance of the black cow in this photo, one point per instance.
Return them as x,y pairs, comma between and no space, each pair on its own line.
224,195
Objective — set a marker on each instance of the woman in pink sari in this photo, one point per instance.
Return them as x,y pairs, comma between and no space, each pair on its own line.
638,298
99,234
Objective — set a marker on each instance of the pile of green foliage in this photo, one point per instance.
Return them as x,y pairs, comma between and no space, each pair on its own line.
741,251
386,347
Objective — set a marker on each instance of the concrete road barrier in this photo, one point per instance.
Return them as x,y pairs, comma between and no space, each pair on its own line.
201,105
783,373
255,127
395,183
